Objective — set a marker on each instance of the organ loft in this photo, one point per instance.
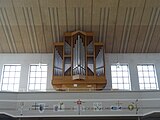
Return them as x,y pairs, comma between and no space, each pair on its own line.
78,63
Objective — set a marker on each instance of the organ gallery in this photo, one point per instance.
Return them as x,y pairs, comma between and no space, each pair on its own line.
78,63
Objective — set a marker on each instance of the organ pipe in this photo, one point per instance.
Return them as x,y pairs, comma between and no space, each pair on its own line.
79,57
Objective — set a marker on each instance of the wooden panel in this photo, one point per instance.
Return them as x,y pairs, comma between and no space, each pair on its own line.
105,3
48,36
111,29
26,40
79,15
7,30
25,3
143,29
119,30
69,80
135,29
17,40
14,31
127,29
154,43
131,3
3,42
152,3
122,25
21,23
41,40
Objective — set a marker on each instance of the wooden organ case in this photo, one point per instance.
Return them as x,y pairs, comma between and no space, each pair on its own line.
78,63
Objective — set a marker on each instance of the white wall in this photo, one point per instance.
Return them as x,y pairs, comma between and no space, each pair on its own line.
131,59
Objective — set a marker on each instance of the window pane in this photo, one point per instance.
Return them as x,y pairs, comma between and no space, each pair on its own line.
32,80
38,80
18,68
13,68
141,86
37,86
10,87
32,74
145,74
113,68
114,86
38,74
33,68
31,86
44,74
126,86
139,68
125,80
150,67
120,86
145,68
141,80
147,77
147,86
125,74
16,86
5,80
153,86
114,74
6,74
4,87
119,69
10,77
151,73
120,76
43,86
11,80
39,68
152,80
16,80
125,68
114,80
38,77
7,68
12,74
17,74
44,68
146,80
120,80
43,80
140,74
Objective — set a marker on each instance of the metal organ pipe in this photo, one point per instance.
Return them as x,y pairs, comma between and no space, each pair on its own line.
58,64
100,63
79,57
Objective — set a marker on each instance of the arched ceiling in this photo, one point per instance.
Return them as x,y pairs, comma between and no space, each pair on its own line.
124,26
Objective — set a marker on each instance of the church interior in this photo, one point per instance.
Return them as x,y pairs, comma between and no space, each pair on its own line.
79,59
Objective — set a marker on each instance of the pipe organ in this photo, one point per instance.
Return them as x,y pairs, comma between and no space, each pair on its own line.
78,63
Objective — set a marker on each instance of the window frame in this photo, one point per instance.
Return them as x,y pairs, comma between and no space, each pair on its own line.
2,77
28,84
122,77
148,77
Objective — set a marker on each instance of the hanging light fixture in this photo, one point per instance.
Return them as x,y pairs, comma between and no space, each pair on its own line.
118,64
